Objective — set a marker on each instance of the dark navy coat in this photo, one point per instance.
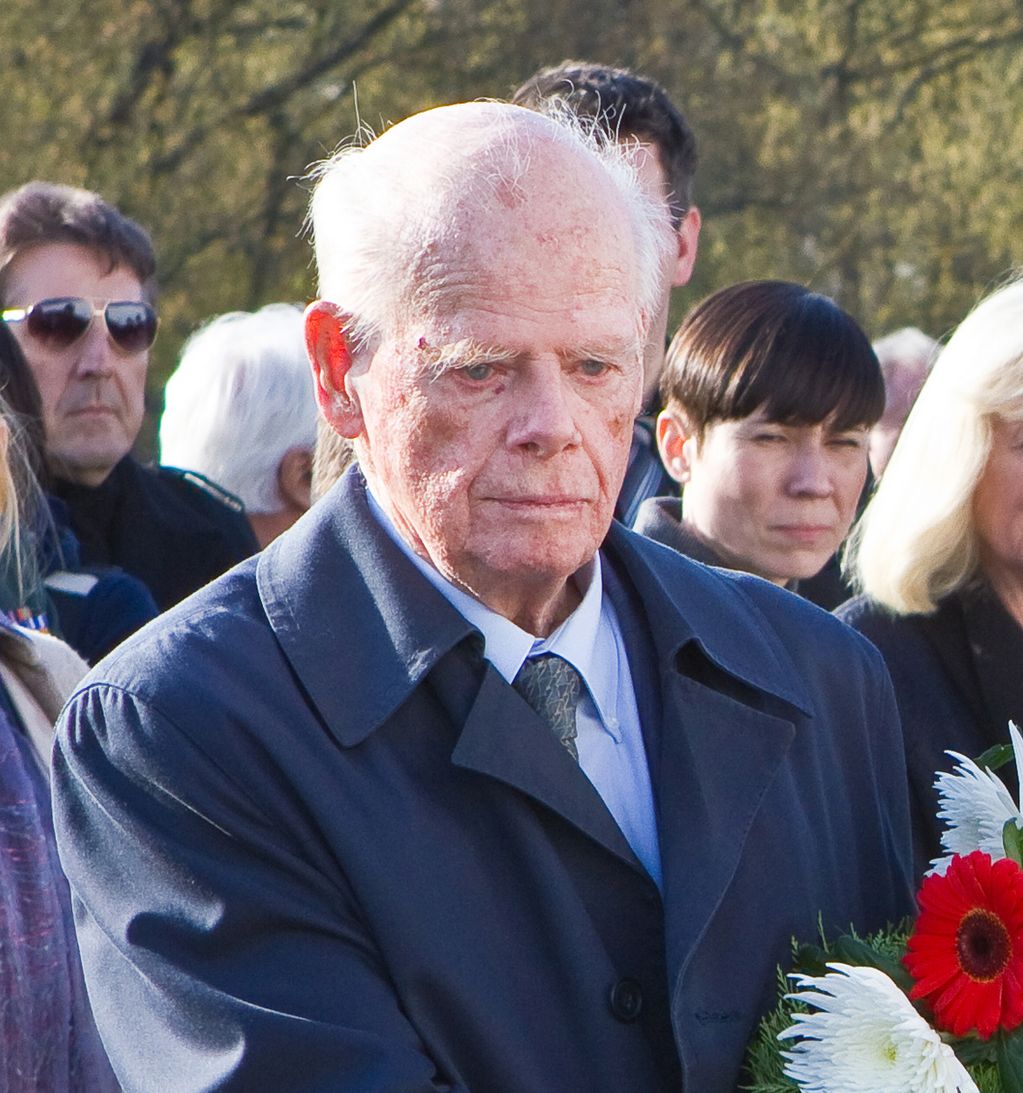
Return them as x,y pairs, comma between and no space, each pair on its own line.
319,844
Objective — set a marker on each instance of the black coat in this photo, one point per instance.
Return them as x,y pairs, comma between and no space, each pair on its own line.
174,530
958,676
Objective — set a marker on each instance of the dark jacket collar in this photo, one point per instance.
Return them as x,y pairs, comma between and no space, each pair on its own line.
349,609
660,519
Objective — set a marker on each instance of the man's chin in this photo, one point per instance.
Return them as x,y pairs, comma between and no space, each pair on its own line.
85,467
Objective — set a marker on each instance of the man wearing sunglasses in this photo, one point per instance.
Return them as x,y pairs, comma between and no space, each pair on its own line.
76,290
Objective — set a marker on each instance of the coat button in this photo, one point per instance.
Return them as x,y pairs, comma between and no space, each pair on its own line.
626,1000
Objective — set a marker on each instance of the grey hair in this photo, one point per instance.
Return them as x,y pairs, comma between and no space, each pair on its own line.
910,345
916,542
241,396
376,213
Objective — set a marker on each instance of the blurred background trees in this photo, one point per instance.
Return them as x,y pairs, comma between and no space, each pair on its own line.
870,149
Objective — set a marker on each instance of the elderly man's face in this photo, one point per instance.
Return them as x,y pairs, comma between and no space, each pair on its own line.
497,423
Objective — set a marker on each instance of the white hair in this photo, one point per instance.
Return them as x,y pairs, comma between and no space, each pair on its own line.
241,396
377,211
908,346
916,541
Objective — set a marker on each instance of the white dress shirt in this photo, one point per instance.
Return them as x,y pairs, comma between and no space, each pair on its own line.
609,736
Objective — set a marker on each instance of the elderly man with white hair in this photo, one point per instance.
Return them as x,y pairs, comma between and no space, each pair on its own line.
240,409
458,786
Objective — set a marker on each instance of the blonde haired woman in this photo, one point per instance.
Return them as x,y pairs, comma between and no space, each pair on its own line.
47,1038
938,554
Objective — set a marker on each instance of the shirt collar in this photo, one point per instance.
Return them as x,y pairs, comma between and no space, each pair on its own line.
586,639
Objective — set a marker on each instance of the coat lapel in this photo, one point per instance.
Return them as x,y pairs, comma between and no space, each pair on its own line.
717,759
348,607
503,738
728,706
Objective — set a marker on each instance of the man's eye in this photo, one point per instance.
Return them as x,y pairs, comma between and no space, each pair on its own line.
477,372
594,368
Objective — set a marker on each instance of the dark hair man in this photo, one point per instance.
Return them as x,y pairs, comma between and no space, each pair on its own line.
452,787
77,280
637,112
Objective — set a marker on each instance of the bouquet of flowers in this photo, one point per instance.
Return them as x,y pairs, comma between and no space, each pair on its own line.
933,1005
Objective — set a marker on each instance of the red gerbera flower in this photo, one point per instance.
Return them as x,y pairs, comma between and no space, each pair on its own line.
966,950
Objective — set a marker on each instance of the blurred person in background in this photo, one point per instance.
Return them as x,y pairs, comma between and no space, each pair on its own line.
769,391
241,410
47,1037
905,358
938,555
93,608
76,290
638,113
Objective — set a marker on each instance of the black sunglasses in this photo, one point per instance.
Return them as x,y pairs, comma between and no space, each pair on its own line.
60,322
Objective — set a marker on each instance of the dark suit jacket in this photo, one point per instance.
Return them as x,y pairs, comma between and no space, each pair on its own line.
319,844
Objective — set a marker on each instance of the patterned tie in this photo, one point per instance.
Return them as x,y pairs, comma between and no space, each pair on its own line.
551,686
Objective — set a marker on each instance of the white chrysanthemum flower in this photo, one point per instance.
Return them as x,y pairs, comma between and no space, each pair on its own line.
866,1038
975,806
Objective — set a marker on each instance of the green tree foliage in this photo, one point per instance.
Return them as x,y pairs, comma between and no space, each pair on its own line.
870,149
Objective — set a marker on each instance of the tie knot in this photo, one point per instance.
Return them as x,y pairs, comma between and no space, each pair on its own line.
551,686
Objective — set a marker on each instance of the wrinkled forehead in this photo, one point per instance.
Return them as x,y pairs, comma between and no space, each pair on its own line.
552,227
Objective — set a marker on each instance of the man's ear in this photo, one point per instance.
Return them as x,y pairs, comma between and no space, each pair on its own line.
295,477
675,443
329,350
687,236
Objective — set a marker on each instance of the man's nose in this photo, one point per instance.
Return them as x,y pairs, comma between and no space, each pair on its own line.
810,472
95,354
543,421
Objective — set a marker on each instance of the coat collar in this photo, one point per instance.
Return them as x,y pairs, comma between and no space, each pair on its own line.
690,606
347,607
349,610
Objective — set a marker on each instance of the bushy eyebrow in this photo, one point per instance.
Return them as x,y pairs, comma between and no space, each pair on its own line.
462,354
468,351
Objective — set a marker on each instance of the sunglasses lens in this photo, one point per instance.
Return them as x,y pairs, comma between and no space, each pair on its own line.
59,323
132,325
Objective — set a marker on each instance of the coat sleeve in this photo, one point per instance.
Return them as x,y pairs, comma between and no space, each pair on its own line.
218,955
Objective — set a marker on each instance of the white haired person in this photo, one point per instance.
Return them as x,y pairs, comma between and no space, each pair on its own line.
905,357
47,1037
938,554
240,410
459,785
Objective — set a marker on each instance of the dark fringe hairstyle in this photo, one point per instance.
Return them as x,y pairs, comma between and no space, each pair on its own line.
777,348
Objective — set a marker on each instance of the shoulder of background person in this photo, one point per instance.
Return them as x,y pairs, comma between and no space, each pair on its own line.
207,502
48,667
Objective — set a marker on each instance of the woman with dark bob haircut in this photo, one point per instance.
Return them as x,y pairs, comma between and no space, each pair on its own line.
769,390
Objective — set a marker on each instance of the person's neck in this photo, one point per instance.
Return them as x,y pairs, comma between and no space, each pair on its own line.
538,611
89,478
268,525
